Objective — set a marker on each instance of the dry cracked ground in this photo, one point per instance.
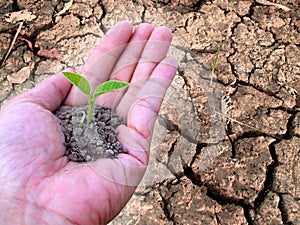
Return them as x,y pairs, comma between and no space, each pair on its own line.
226,147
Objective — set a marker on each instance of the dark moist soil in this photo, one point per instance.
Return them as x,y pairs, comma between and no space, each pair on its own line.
85,143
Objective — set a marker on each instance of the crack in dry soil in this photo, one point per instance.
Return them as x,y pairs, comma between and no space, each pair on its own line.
259,55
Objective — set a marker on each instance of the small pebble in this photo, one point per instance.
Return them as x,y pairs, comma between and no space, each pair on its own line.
111,152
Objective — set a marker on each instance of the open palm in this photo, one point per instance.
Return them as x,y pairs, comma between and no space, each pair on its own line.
38,185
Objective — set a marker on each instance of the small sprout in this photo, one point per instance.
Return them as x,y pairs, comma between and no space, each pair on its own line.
215,62
83,85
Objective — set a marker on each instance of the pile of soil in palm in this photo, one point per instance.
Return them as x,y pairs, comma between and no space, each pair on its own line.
89,142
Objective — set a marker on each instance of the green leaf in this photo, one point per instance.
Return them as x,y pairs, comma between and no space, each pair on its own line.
79,81
108,86
217,56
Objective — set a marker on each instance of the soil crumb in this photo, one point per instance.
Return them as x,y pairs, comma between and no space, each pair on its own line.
85,143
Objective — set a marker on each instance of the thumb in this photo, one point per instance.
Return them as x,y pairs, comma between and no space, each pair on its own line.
49,94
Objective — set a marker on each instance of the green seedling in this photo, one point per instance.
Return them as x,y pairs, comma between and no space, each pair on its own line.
115,16
83,85
215,62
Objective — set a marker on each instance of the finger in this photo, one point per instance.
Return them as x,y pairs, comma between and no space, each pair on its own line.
145,106
99,65
126,64
49,94
154,51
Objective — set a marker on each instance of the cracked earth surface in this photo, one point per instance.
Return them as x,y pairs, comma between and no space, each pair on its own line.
204,168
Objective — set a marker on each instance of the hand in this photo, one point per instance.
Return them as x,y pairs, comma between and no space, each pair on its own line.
38,185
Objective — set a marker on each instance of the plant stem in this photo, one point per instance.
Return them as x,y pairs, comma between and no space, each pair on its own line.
215,62
91,107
